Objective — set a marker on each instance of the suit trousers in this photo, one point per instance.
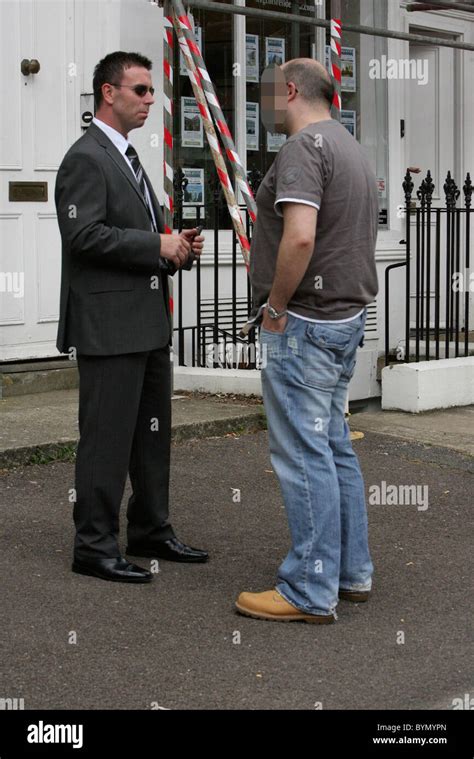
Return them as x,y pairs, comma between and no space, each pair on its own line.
124,426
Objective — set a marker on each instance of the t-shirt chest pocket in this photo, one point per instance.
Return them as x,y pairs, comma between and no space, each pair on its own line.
266,194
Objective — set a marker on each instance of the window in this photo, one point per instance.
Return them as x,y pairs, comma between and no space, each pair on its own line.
192,153
364,99
270,41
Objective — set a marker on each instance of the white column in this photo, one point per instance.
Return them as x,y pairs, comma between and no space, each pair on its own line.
240,92
320,33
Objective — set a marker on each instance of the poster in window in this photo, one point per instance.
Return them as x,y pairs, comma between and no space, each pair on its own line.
191,124
274,51
348,120
275,141
382,188
182,65
348,68
252,57
253,126
193,193
327,57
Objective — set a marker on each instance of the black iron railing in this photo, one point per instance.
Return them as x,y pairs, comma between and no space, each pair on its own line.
211,336
437,273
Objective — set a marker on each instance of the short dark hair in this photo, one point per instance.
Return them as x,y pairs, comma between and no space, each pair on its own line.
312,82
111,68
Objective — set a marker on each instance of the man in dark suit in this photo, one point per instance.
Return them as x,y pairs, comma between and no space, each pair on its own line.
115,317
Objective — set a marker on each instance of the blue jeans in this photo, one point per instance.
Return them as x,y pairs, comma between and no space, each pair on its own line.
305,375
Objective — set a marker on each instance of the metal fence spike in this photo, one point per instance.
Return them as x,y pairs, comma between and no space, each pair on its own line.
468,191
408,187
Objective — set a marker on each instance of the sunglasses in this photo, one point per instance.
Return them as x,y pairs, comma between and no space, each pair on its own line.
139,89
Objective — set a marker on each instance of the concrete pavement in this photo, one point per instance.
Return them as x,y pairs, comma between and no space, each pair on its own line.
449,428
44,426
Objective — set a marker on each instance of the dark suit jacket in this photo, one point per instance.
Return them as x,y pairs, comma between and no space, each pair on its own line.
109,254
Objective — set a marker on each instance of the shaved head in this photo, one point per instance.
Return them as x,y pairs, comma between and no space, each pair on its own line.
311,80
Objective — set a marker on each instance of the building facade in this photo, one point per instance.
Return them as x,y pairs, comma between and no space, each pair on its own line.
409,103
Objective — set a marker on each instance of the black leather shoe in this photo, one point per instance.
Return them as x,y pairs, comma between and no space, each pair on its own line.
171,550
117,569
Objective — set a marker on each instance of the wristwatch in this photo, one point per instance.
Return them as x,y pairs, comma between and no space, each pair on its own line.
273,313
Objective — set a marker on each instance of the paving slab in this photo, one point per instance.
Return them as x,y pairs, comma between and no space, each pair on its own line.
447,428
47,423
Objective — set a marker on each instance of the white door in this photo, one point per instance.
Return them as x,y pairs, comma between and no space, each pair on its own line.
432,117
38,115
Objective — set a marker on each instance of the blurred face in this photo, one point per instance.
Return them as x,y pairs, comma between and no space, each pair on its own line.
129,109
274,99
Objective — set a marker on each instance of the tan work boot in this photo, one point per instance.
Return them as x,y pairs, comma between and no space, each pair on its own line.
271,605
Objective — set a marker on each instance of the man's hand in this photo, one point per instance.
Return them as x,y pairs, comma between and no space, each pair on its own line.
175,248
196,241
274,325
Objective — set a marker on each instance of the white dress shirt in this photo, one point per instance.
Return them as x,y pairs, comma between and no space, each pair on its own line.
121,143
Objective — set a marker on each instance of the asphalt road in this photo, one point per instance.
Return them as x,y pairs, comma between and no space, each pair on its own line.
177,642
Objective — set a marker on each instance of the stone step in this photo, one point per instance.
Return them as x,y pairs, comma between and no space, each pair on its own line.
28,377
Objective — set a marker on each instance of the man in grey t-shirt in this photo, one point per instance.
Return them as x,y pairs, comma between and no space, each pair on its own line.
323,167
313,274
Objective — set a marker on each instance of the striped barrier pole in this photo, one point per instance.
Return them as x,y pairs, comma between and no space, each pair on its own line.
336,50
213,141
168,46
216,110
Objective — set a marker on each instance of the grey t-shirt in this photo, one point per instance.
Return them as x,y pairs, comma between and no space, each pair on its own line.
325,167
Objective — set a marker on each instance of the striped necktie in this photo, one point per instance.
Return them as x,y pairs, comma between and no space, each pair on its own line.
132,156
